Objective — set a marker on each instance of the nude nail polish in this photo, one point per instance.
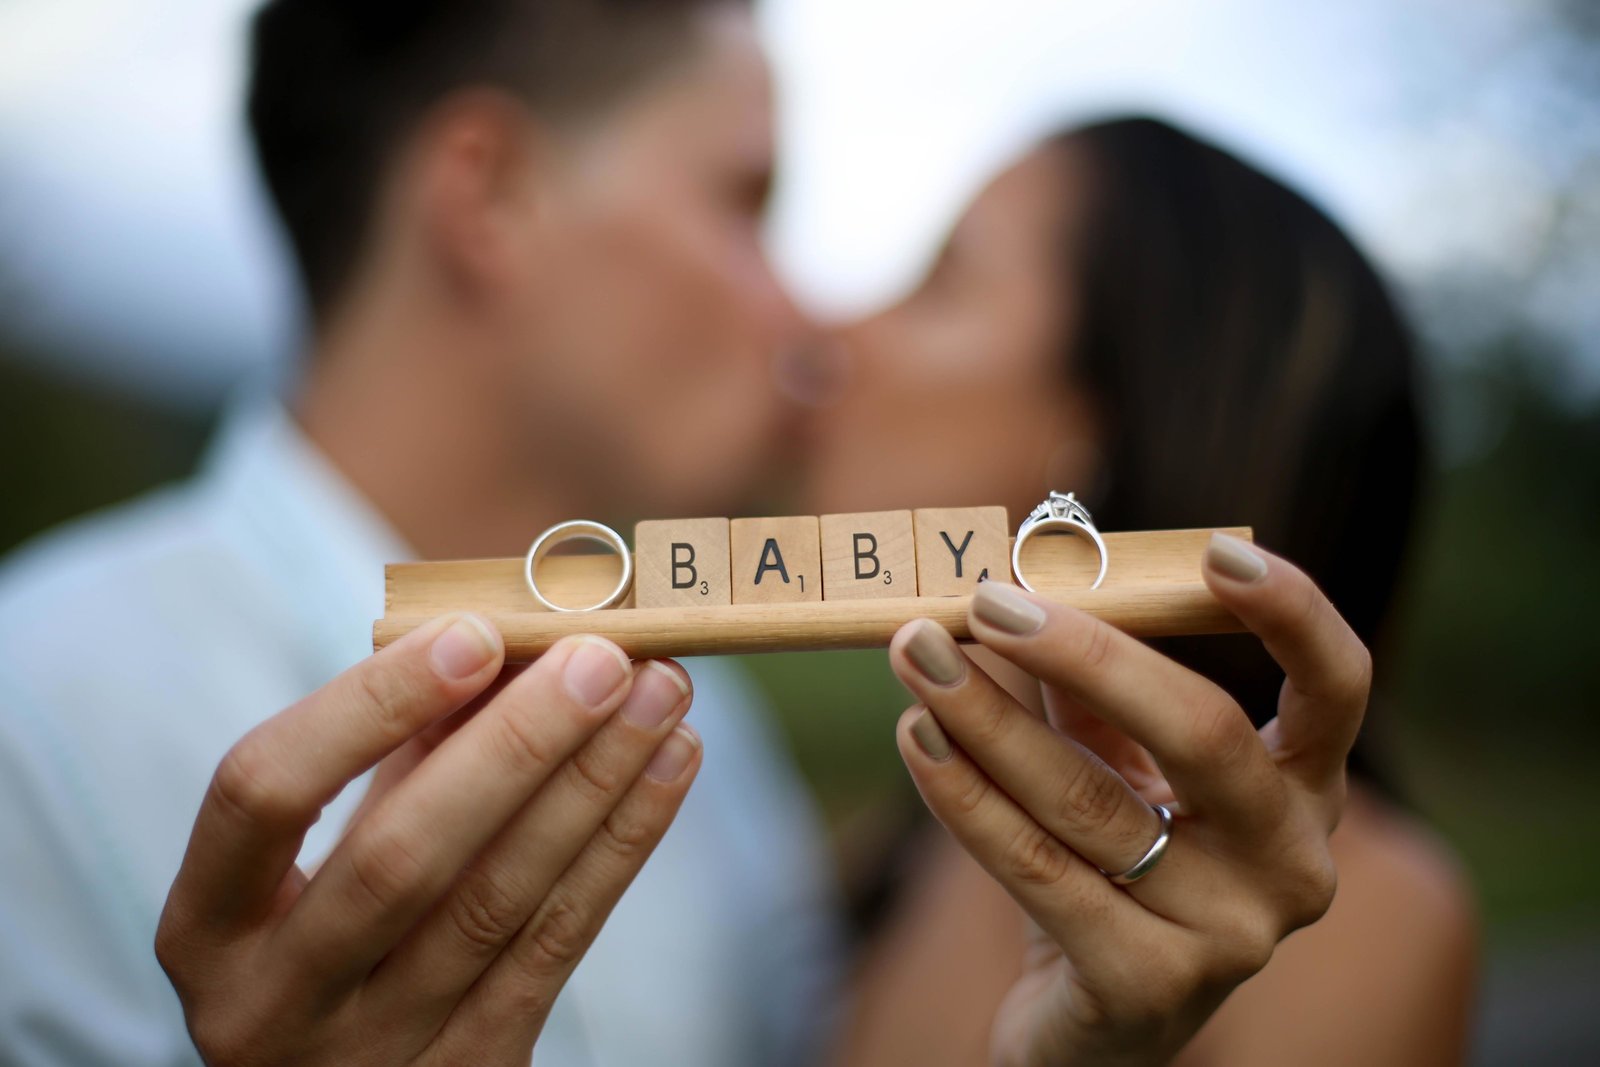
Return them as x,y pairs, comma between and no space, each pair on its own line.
1003,607
1233,558
933,653
930,736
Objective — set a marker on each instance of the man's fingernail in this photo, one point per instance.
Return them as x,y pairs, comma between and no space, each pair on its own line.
930,736
1233,558
595,670
464,649
934,653
674,754
657,689
1003,607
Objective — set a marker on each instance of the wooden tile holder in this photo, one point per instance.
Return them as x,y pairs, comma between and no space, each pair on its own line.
1152,588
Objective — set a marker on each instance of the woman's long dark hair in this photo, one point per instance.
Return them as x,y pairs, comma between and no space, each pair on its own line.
1252,370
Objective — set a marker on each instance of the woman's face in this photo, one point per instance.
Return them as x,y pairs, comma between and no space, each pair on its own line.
959,394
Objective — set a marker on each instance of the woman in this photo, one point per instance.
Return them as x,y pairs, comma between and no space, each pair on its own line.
1140,316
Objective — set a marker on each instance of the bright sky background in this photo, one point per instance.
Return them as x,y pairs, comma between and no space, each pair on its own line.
134,246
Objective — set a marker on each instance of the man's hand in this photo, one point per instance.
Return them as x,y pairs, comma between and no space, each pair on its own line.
448,918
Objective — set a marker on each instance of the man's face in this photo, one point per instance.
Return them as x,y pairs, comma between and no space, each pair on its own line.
651,315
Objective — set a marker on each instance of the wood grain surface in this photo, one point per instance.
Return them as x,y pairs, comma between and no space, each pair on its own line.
1153,588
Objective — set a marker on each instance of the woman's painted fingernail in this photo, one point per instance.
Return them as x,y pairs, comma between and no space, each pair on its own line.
934,653
930,736
1002,606
674,754
595,670
657,690
464,648
1233,558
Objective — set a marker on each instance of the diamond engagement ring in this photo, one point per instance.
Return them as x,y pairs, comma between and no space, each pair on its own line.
1059,510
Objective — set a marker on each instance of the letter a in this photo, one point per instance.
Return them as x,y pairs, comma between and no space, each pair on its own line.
771,560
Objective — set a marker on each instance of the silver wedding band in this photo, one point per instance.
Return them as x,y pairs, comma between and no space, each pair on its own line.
579,530
1148,861
1059,510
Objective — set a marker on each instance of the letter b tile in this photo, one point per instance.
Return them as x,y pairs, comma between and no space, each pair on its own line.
776,561
868,554
681,563
956,547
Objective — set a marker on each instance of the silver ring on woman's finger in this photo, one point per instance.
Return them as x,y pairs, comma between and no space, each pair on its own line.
1148,861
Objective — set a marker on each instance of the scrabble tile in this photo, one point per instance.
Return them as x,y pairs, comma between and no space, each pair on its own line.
776,561
958,547
868,554
681,563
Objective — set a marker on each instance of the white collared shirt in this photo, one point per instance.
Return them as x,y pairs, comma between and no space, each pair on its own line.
138,645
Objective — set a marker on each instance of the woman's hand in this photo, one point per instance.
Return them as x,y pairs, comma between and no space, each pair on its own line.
445,922
1126,975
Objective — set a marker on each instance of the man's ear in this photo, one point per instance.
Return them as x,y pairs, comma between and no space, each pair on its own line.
476,164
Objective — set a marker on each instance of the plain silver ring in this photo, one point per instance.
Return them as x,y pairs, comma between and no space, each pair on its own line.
1058,509
580,529
1152,857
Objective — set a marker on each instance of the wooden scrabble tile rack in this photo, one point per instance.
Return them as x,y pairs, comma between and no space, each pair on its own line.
1152,588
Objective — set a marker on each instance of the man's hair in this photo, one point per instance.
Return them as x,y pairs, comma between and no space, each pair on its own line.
336,86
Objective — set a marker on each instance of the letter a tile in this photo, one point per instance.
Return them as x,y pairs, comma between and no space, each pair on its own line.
776,561
868,554
681,563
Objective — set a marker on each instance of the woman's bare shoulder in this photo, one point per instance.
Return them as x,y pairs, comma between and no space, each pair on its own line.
1386,977
1392,862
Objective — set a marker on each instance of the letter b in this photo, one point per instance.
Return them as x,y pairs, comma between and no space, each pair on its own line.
863,554
683,563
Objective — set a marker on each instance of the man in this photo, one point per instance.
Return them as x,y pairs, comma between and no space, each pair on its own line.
528,233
